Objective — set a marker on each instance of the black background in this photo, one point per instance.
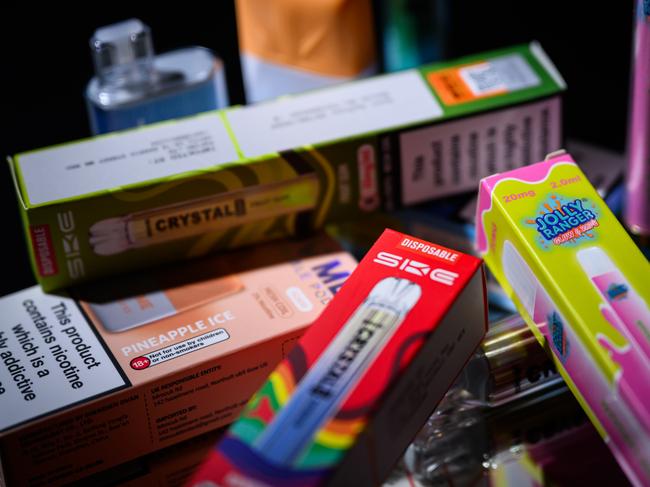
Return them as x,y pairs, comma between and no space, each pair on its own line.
46,64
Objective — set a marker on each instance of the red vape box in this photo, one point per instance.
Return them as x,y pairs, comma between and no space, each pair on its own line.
345,403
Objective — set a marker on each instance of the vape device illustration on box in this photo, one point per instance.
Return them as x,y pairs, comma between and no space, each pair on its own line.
572,353
338,369
628,314
203,215
621,298
135,310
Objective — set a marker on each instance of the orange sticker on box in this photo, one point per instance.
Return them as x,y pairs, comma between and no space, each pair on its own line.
467,83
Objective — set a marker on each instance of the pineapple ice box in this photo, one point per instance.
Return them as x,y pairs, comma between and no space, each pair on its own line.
115,370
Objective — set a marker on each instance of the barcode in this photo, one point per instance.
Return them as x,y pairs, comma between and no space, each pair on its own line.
506,73
485,80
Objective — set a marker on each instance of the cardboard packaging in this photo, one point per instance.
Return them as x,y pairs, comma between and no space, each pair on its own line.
289,47
170,467
345,403
582,285
113,371
224,179
451,221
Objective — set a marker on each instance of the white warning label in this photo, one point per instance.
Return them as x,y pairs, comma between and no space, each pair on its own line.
179,349
50,357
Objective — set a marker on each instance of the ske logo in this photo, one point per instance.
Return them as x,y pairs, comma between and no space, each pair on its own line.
418,268
71,245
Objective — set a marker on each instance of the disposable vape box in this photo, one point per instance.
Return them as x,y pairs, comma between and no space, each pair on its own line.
219,180
345,403
109,372
584,288
170,467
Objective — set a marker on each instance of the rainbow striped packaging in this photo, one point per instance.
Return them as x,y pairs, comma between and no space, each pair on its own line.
345,403
583,286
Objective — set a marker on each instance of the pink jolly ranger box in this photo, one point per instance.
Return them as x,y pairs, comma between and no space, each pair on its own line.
584,288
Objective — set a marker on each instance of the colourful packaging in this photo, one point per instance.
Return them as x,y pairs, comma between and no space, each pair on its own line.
345,403
583,287
114,371
183,188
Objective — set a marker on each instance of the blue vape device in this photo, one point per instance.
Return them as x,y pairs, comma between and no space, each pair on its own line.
133,86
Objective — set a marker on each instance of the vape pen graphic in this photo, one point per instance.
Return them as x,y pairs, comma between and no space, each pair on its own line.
627,313
602,397
338,369
194,217
617,292
125,313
